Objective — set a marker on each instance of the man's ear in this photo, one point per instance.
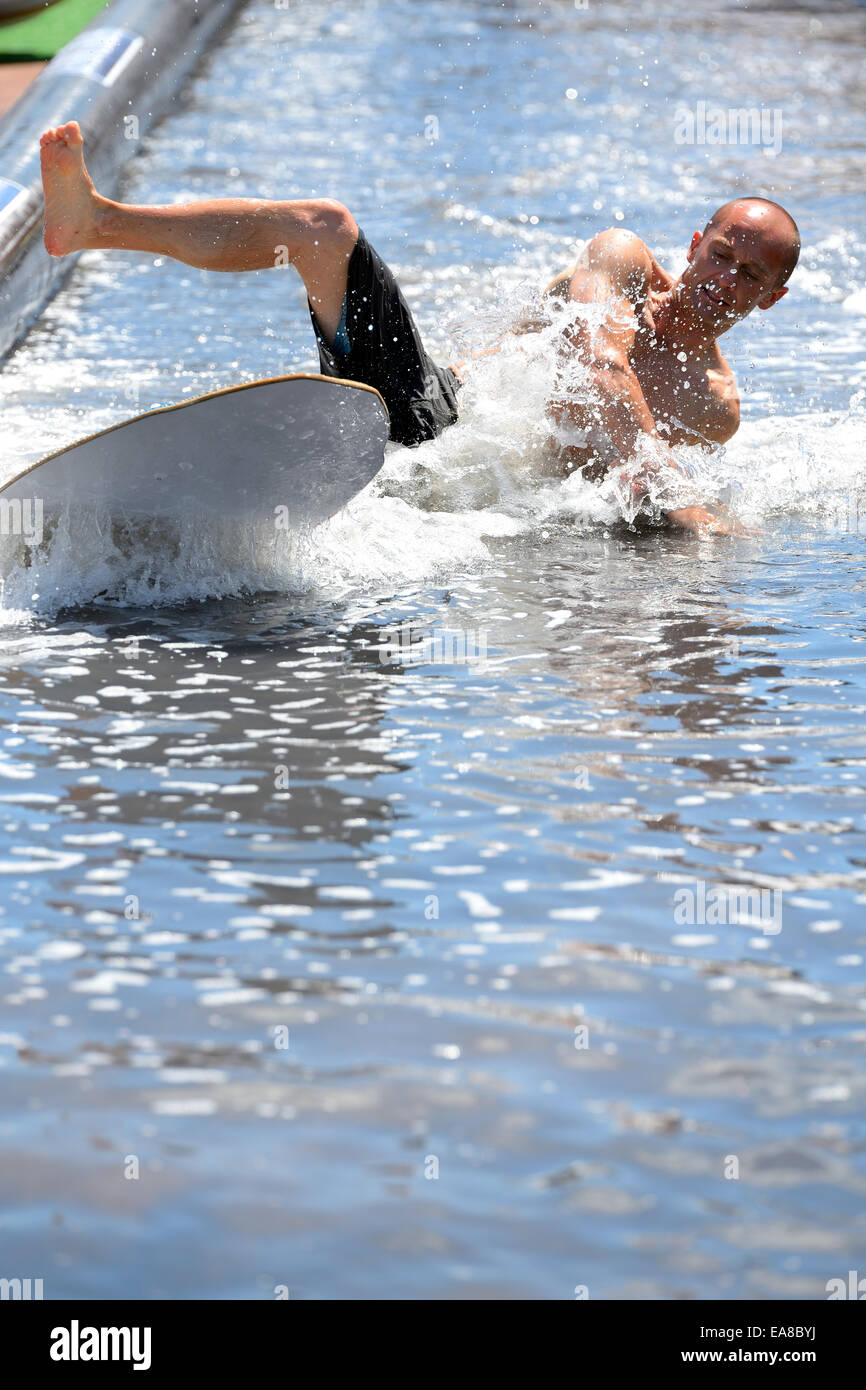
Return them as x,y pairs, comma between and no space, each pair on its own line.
770,299
697,238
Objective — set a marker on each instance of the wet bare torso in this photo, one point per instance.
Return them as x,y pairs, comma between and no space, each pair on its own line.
687,399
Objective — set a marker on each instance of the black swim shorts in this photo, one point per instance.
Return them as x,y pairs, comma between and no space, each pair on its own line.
386,352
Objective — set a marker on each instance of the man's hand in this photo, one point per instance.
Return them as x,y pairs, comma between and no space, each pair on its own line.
704,523
657,295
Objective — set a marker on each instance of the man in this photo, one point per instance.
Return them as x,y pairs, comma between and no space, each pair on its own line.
655,373
654,369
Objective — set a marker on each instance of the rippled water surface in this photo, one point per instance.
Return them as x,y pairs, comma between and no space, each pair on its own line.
383,923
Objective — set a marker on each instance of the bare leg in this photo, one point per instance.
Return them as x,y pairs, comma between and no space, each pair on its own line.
314,235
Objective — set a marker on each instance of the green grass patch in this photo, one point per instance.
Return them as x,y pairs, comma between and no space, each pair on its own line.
40,35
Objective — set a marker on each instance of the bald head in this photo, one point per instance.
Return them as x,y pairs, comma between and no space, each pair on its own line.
770,219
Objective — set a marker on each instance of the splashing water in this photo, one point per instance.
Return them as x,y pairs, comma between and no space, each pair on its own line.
432,509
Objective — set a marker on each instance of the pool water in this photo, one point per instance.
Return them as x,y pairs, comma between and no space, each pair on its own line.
477,911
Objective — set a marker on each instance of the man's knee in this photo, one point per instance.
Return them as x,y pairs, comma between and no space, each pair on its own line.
331,227
325,250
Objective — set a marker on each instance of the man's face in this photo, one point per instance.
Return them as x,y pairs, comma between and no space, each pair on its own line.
734,267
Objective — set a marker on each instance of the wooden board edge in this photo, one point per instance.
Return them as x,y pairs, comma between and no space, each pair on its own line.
193,400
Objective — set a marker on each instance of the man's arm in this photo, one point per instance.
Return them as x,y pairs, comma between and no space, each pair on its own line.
724,413
615,270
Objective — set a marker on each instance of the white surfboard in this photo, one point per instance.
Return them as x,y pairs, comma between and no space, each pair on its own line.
294,447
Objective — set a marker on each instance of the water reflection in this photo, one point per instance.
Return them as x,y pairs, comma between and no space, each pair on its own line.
466,866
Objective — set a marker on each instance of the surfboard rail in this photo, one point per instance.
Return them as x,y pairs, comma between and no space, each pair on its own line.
181,405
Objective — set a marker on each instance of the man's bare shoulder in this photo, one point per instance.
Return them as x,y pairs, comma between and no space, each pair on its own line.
620,255
615,257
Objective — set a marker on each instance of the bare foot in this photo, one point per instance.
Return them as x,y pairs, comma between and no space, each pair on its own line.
72,205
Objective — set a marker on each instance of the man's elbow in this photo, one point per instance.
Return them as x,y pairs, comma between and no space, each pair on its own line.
609,366
616,243
725,429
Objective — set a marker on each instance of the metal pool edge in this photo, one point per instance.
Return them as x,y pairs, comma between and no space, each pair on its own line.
116,77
